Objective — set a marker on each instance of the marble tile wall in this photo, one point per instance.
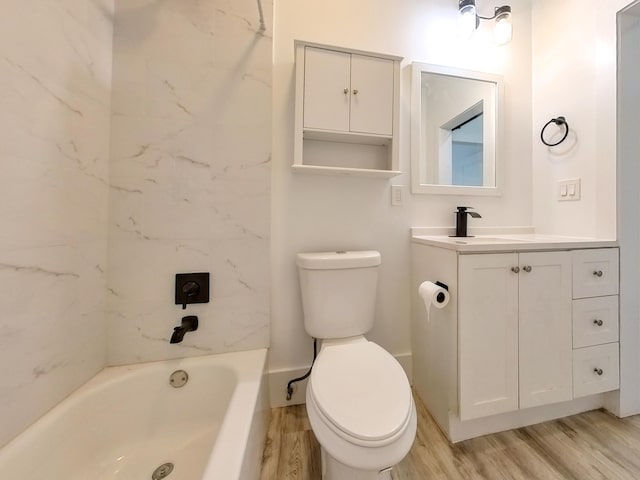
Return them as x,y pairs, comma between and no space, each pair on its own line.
189,174
55,75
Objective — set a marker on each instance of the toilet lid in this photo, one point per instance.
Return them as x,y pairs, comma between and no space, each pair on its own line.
362,390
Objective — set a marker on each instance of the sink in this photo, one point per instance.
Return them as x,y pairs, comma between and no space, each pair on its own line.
484,240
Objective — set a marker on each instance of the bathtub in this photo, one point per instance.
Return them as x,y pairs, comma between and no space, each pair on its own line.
129,422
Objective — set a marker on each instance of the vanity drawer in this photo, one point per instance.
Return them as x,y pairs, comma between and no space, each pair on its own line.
595,272
595,321
595,369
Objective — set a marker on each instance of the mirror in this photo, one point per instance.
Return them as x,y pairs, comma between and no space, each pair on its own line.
454,131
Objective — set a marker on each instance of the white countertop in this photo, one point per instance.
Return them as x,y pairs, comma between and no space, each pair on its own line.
517,239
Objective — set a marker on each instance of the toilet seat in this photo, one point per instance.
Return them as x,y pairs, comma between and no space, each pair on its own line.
361,393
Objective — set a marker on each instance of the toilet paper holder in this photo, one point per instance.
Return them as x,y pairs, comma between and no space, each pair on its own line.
443,285
440,297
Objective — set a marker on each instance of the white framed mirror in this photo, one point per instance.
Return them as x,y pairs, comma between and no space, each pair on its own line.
455,131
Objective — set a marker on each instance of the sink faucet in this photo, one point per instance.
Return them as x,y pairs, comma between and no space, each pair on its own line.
189,324
461,221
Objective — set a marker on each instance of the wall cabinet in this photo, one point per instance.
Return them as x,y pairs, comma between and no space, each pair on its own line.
514,331
347,111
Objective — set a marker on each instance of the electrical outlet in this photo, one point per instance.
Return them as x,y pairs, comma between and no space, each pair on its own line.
397,195
568,190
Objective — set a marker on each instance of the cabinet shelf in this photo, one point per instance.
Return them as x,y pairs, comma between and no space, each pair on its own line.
328,170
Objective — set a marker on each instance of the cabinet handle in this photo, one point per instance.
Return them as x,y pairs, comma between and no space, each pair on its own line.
355,91
515,269
527,268
598,322
598,371
345,91
597,273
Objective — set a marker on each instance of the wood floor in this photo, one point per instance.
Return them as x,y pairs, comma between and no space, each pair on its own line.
592,445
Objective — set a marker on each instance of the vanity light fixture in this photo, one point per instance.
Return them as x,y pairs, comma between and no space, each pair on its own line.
469,20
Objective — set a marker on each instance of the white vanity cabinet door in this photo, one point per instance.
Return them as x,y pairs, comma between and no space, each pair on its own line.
545,336
371,95
327,89
487,334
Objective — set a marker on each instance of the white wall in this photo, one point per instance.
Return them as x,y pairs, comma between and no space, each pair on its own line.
311,213
574,61
190,175
55,78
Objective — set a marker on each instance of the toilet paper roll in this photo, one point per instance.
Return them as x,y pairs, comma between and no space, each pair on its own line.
433,295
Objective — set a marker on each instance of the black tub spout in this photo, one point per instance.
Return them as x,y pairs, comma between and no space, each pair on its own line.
189,324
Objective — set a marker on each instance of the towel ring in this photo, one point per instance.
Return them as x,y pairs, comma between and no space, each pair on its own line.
560,121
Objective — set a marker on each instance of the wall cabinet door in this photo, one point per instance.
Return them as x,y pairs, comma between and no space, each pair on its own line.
487,334
346,92
371,95
545,332
327,89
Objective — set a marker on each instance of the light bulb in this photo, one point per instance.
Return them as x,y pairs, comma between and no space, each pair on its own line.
503,29
467,19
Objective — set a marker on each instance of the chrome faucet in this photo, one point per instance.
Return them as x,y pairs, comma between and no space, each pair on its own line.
461,221
189,324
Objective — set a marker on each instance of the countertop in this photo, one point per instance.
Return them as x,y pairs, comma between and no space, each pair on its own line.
515,240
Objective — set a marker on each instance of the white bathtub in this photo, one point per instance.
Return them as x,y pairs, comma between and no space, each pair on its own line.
129,420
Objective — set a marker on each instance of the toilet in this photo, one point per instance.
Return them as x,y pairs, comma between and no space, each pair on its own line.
359,400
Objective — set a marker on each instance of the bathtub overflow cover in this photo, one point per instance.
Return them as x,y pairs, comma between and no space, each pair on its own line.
178,379
162,471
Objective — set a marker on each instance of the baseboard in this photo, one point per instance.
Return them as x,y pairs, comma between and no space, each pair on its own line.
278,380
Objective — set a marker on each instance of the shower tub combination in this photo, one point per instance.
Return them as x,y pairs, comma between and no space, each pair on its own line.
202,418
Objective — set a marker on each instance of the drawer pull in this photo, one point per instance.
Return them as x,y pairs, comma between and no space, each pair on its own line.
598,371
515,269
598,322
345,91
597,273
527,268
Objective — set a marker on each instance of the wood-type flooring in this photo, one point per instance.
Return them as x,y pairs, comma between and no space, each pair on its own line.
592,445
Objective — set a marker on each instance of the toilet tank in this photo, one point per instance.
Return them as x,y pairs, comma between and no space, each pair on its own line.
338,292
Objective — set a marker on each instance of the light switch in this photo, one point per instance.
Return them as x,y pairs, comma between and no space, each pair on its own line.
397,195
568,189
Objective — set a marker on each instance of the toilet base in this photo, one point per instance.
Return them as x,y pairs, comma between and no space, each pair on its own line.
332,469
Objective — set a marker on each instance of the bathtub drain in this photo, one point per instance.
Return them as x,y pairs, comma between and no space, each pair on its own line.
162,471
178,379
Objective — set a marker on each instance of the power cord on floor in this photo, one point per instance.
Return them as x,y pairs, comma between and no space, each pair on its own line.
291,382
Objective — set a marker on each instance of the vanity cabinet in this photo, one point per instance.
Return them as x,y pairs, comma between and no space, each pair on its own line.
346,111
514,332
530,333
